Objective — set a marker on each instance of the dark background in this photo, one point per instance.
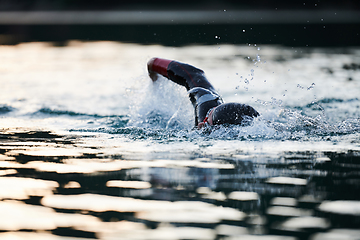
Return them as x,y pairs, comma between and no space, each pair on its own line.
81,5
271,22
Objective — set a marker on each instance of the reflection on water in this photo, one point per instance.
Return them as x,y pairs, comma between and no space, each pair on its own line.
84,192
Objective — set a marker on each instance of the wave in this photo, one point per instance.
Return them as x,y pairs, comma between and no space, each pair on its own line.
326,101
5,109
70,113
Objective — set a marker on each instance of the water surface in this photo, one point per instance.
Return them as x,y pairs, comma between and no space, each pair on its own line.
91,148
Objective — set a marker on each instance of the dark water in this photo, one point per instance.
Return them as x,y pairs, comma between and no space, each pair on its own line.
206,196
120,158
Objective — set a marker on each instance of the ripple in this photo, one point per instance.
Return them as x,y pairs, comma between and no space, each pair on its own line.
5,109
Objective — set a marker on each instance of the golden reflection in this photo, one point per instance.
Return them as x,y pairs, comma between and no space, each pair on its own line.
33,236
72,184
22,188
17,215
128,184
7,172
48,151
163,232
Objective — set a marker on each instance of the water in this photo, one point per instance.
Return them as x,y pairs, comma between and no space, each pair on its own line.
91,148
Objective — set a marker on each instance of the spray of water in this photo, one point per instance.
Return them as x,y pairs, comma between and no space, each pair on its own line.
162,111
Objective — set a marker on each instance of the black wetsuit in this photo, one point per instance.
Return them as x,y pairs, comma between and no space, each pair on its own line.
202,94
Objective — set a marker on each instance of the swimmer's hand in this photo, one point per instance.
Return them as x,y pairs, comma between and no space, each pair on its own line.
153,75
200,125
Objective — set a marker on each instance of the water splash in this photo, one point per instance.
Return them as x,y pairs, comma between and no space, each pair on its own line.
161,104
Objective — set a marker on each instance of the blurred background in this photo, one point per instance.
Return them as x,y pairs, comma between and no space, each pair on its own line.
81,123
176,23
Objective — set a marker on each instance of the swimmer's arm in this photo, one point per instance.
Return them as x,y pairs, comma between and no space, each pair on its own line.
158,66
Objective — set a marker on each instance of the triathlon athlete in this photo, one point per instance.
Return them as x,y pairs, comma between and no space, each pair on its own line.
209,106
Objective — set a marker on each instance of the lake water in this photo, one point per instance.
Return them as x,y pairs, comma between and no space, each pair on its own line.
90,148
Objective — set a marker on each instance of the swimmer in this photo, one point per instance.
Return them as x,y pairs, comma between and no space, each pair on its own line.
210,109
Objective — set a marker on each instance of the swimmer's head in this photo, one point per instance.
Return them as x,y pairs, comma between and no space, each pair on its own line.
230,113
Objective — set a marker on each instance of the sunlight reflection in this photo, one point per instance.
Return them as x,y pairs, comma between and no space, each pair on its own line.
22,188
244,196
128,184
287,180
17,215
341,207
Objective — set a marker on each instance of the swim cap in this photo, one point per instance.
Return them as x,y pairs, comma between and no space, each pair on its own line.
233,113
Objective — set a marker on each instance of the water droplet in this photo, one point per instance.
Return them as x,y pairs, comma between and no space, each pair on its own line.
258,48
265,80
244,31
224,10
311,87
